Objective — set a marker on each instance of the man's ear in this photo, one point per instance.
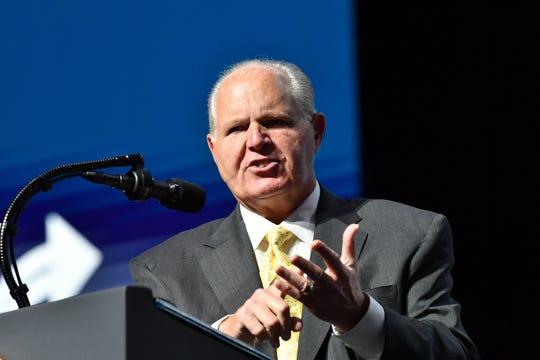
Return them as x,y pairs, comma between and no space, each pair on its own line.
211,145
210,142
318,122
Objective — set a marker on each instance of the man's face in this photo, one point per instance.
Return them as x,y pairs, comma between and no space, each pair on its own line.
264,146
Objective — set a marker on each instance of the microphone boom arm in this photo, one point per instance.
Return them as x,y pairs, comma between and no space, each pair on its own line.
43,182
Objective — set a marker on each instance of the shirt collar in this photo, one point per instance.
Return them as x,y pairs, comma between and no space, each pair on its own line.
301,221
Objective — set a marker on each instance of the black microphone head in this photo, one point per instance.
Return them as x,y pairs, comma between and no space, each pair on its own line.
188,197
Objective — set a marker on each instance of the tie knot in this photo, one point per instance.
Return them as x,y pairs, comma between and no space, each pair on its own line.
278,236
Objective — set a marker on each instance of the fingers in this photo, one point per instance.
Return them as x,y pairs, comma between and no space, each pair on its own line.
291,282
264,316
348,257
336,293
338,265
296,325
347,252
272,312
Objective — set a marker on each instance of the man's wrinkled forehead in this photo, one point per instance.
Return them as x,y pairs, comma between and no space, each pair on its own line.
262,86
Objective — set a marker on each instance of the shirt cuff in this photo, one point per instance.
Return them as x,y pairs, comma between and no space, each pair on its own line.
367,337
216,324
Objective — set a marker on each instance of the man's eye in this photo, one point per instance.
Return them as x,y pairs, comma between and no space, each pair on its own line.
277,122
235,129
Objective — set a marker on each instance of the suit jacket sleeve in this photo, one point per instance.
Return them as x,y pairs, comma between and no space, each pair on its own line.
405,259
425,322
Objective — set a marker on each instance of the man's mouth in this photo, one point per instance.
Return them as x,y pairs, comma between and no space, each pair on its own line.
261,163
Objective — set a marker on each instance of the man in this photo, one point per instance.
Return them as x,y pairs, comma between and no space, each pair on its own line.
376,285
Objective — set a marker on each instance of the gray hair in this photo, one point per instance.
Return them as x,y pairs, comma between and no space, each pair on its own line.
300,86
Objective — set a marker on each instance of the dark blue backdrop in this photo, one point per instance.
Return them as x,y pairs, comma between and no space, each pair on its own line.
88,80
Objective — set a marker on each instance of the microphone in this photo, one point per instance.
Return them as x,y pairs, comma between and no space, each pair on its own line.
138,184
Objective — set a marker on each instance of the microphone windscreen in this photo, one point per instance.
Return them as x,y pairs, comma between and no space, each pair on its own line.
191,197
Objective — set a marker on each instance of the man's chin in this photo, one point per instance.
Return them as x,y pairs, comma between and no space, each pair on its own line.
261,192
269,189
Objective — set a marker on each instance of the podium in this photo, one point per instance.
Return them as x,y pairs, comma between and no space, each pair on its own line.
116,324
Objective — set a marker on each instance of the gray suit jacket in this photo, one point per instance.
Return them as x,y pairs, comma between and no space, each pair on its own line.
405,257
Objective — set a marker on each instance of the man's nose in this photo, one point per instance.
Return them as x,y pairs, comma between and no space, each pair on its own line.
257,137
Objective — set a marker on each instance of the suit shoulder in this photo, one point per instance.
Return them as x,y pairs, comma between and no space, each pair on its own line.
387,212
389,206
185,241
368,208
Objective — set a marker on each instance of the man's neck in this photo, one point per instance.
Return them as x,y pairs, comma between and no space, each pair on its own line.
277,208
279,213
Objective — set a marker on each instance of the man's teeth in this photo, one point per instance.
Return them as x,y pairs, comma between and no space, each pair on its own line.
262,163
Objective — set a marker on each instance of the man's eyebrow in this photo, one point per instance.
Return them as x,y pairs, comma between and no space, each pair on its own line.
234,122
273,116
264,117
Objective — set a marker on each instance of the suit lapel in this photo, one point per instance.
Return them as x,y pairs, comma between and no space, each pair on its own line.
333,216
230,267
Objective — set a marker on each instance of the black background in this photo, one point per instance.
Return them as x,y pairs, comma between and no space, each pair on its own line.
449,123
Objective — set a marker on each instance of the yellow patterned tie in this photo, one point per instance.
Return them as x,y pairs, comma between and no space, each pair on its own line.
273,258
